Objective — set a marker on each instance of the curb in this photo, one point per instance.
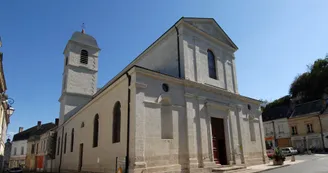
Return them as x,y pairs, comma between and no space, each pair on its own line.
282,166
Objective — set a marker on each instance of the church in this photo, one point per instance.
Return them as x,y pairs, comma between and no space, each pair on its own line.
174,108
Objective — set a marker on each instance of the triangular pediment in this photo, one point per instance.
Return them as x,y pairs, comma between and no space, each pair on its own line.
209,26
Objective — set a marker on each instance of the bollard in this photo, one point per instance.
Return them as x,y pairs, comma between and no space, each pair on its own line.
293,158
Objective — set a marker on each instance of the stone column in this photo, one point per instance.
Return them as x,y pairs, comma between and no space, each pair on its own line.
137,128
240,138
205,135
262,137
191,125
232,159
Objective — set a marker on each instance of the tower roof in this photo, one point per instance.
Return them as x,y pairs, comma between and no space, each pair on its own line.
84,39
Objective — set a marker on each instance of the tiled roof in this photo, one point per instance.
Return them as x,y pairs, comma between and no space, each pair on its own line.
276,113
304,109
24,135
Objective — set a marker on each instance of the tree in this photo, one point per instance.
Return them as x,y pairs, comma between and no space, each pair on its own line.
312,84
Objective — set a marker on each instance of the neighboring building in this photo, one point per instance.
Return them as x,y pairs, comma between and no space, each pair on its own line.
7,154
18,148
36,156
5,112
175,108
305,126
276,127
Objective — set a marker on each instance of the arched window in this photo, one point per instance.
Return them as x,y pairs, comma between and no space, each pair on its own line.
72,140
65,140
95,130
58,145
211,64
116,122
84,57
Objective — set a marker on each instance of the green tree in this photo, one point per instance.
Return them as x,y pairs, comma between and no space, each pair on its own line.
312,84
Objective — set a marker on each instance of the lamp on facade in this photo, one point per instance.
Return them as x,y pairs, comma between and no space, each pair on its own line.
10,111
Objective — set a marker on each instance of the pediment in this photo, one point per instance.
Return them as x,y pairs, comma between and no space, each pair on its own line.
210,27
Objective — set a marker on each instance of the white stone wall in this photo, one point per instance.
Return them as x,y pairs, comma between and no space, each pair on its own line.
195,48
163,56
191,111
282,128
268,128
79,80
101,158
18,145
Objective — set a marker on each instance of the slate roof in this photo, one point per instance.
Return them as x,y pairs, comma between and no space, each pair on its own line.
304,109
276,113
24,135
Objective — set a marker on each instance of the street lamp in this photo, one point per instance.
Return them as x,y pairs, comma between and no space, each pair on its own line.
10,111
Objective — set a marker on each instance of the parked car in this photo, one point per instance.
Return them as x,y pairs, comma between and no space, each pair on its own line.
16,170
270,153
288,151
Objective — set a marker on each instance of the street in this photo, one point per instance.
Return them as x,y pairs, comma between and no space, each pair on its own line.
316,163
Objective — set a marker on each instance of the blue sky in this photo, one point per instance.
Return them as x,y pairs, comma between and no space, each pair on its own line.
276,40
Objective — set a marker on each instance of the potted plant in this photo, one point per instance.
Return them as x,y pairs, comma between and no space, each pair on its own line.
278,157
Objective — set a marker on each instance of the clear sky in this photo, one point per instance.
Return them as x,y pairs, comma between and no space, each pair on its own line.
276,40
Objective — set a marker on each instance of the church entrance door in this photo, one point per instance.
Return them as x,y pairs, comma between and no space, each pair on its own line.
218,138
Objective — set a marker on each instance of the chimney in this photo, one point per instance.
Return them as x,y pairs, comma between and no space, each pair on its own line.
20,129
39,124
56,121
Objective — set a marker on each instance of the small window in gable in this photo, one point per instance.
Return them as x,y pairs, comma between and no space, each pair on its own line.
84,57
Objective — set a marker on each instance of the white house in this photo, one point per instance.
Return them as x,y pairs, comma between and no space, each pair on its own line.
175,108
276,128
18,149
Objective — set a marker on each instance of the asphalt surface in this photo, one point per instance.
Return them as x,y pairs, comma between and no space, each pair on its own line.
316,163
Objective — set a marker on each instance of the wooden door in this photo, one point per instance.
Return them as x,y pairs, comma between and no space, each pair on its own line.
80,157
218,139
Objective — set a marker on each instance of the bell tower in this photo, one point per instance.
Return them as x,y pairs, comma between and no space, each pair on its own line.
80,74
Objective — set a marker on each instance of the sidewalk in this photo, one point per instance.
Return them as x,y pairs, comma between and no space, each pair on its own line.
269,166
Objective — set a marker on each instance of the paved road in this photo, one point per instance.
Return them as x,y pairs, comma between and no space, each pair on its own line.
317,163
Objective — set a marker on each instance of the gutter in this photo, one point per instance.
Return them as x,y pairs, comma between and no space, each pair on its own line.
61,150
321,131
178,49
128,126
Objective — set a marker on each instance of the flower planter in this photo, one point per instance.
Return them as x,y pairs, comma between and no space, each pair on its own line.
278,162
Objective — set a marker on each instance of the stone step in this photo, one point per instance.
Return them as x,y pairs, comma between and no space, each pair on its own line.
229,169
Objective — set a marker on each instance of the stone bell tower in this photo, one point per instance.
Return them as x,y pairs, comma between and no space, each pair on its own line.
80,74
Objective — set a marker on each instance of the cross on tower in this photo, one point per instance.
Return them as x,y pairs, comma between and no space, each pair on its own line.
83,28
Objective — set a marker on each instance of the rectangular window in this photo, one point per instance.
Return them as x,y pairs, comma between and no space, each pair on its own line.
33,149
294,130
37,148
166,122
22,150
15,151
280,129
309,128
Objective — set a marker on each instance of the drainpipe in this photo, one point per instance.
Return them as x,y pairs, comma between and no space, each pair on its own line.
321,131
274,135
128,126
178,48
61,150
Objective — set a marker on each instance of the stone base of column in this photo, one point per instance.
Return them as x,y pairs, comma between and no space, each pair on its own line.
193,163
209,164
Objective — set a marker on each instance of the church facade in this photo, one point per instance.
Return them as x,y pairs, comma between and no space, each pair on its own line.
175,108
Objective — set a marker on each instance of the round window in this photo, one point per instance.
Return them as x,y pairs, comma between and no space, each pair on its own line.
165,87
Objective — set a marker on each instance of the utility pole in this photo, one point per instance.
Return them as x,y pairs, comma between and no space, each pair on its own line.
274,134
